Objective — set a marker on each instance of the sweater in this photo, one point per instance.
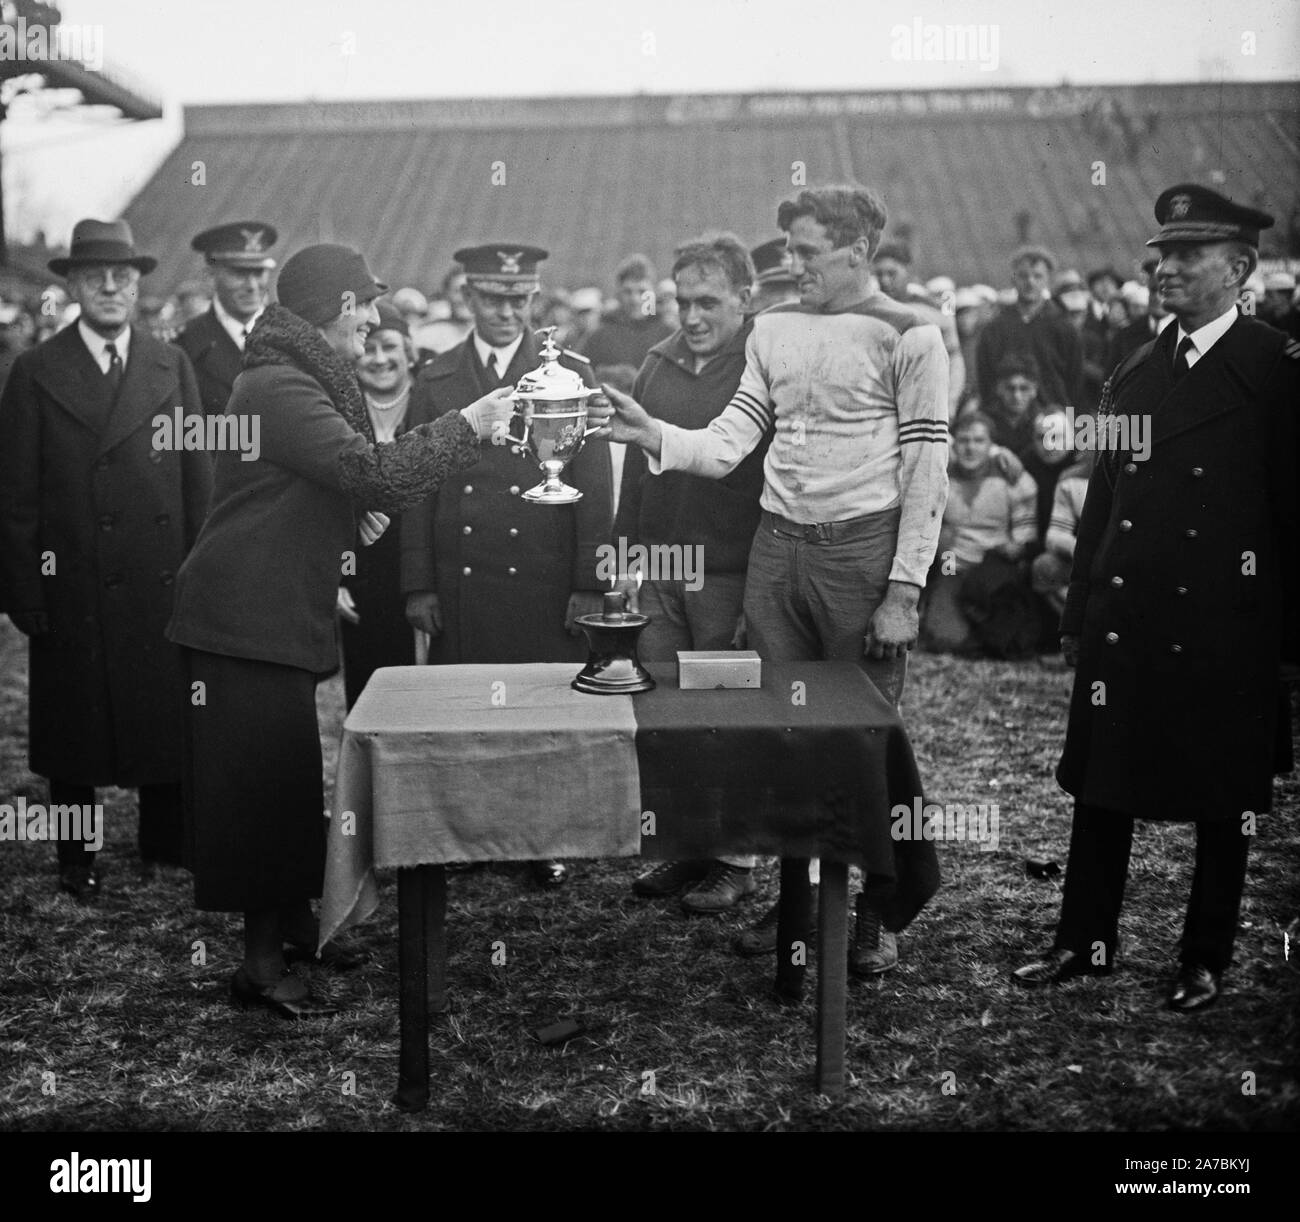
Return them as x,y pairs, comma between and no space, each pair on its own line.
718,516
984,511
859,404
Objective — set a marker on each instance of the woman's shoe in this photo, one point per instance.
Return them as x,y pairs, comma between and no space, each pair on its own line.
289,997
332,955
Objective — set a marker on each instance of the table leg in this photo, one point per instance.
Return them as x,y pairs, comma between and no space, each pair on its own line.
413,989
832,977
435,925
793,929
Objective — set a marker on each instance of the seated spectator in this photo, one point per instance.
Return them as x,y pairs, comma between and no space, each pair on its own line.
1046,459
1016,402
1051,568
990,513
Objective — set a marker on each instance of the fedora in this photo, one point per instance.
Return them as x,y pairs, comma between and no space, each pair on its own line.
102,242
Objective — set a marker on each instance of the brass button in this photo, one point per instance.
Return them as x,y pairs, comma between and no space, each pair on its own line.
1130,468
1191,533
163,519
166,578
1198,472
1117,582
1182,589
466,571
468,489
1112,638
512,571
155,456
1126,525
106,521
466,530
1175,649
514,532
514,489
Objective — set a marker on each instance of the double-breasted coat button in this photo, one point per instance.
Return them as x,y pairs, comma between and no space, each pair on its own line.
1191,532
1112,638
512,571
1126,526
1182,589
514,532
106,521
1198,472
1130,468
1117,582
468,489
163,519
155,456
514,489
466,530
1175,649
466,571
112,581
166,578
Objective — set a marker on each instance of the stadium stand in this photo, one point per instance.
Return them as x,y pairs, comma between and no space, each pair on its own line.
592,178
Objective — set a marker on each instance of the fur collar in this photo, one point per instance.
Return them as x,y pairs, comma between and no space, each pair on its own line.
280,337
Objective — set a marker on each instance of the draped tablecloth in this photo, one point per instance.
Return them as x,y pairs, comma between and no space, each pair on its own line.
446,764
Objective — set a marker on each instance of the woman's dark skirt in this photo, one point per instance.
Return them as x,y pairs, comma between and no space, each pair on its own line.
254,787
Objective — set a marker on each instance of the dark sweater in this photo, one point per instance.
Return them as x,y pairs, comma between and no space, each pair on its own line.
1049,338
718,515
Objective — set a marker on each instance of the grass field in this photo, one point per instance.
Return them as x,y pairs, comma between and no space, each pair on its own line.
106,1022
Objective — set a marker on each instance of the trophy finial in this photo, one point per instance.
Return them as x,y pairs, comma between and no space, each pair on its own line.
550,350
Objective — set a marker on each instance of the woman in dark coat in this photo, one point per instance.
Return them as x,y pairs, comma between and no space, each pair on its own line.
255,603
372,607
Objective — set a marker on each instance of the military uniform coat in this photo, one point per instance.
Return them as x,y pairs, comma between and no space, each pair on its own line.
503,569
1183,590
84,494
216,358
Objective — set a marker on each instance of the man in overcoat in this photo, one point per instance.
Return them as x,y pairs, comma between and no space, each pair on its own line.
240,268
94,523
489,576
1182,601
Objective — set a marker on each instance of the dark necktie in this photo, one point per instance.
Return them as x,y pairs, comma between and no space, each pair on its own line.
114,374
1181,364
494,373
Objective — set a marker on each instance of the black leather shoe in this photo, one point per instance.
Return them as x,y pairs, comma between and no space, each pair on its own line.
668,878
549,874
1194,988
1056,967
332,955
760,937
289,997
81,882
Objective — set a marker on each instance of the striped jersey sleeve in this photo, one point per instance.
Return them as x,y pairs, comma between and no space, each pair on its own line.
921,392
730,437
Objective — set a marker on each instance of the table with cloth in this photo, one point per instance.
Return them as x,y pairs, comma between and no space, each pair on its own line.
443,764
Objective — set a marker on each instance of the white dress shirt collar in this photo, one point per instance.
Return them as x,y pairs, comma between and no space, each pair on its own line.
98,345
504,355
238,331
1204,338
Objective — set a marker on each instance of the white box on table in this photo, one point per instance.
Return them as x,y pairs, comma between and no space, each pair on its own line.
712,668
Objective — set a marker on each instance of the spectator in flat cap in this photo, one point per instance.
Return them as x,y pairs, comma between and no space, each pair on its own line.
239,267
1033,324
1276,304
893,270
773,280
487,576
95,520
1180,610
255,604
625,336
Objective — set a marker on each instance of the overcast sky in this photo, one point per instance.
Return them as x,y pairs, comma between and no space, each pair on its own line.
58,167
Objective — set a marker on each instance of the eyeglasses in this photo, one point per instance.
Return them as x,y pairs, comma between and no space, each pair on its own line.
110,277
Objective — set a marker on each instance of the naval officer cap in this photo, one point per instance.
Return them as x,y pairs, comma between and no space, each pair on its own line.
1192,213
242,244
502,267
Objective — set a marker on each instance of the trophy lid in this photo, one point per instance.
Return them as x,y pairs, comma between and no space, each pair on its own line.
551,380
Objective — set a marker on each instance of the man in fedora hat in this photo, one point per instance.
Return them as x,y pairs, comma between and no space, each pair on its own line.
1181,604
240,269
94,523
